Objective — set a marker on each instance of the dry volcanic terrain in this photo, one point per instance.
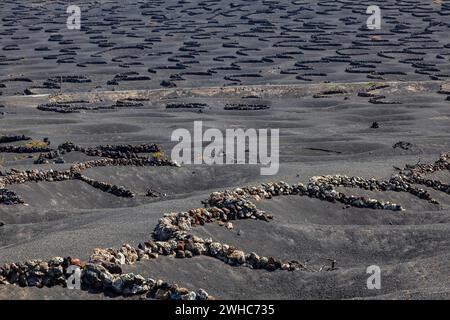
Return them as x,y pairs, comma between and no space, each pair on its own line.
87,181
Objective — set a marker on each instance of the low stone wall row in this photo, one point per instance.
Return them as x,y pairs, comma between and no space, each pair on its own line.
9,139
416,174
8,197
93,278
12,177
23,149
103,151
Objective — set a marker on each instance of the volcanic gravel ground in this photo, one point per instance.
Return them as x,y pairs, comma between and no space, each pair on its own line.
324,130
170,43
347,100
